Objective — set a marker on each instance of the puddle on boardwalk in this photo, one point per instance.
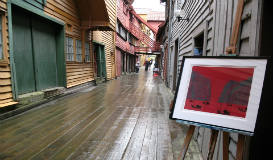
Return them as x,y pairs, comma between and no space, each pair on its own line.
126,118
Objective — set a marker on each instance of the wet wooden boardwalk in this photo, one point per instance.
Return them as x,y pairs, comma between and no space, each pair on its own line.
125,119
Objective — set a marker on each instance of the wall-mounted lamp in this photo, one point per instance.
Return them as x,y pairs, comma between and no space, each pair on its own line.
181,19
180,14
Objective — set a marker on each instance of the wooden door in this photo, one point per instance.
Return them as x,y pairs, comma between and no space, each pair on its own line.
44,49
34,52
23,57
100,59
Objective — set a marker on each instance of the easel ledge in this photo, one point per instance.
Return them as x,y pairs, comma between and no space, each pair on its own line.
215,127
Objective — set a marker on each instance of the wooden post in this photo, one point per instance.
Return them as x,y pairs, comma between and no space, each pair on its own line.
83,44
186,143
236,28
212,143
240,147
225,145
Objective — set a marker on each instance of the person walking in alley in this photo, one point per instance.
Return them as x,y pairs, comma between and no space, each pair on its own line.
150,64
147,63
137,66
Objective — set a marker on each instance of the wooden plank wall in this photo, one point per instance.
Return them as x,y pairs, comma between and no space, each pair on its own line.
66,11
6,97
111,6
215,19
118,60
108,39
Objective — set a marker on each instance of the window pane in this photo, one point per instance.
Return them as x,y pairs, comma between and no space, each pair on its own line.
87,52
69,49
78,51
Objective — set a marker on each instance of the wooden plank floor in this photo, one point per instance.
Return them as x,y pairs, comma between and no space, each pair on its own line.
125,119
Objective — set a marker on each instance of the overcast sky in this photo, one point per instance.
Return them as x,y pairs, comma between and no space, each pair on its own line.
152,4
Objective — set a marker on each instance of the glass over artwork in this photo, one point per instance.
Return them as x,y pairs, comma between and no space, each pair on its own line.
219,90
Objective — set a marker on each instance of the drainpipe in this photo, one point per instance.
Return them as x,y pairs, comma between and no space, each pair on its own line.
169,42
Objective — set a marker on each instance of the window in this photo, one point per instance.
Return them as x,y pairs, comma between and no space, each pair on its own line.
124,9
123,33
198,45
69,49
131,17
1,41
78,50
87,52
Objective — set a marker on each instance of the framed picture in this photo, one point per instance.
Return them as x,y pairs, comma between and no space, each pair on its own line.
221,92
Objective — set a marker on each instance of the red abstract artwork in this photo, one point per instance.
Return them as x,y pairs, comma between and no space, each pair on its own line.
219,90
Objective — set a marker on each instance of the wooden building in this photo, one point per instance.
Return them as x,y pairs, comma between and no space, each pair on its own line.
46,44
208,33
134,36
6,97
104,45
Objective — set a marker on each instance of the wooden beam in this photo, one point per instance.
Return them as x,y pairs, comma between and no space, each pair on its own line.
240,147
187,142
83,45
212,143
236,27
225,145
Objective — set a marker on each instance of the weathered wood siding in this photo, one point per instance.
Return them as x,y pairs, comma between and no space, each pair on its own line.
6,97
111,6
67,11
107,38
118,63
109,41
215,19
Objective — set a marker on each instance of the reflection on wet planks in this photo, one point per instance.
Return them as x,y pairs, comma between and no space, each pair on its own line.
125,119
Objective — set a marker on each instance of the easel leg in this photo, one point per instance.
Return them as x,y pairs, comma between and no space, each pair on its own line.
186,142
212,143
225,145
240,147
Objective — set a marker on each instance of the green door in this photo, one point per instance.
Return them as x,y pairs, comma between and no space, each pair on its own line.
100,59
44,46
34,52
23,53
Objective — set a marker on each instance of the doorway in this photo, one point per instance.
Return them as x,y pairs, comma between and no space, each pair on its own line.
175,65
99,53
35,51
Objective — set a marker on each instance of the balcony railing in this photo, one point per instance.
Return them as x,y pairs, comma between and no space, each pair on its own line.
150,44
124,45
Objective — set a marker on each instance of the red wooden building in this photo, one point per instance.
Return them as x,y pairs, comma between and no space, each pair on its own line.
133,36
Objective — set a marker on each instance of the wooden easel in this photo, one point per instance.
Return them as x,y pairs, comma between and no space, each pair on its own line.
212,144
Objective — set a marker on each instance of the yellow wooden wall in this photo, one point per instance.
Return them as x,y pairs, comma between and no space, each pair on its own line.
66,11
6,98
108,39
111,6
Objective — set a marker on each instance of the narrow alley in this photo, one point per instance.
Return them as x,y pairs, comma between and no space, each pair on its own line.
125,119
